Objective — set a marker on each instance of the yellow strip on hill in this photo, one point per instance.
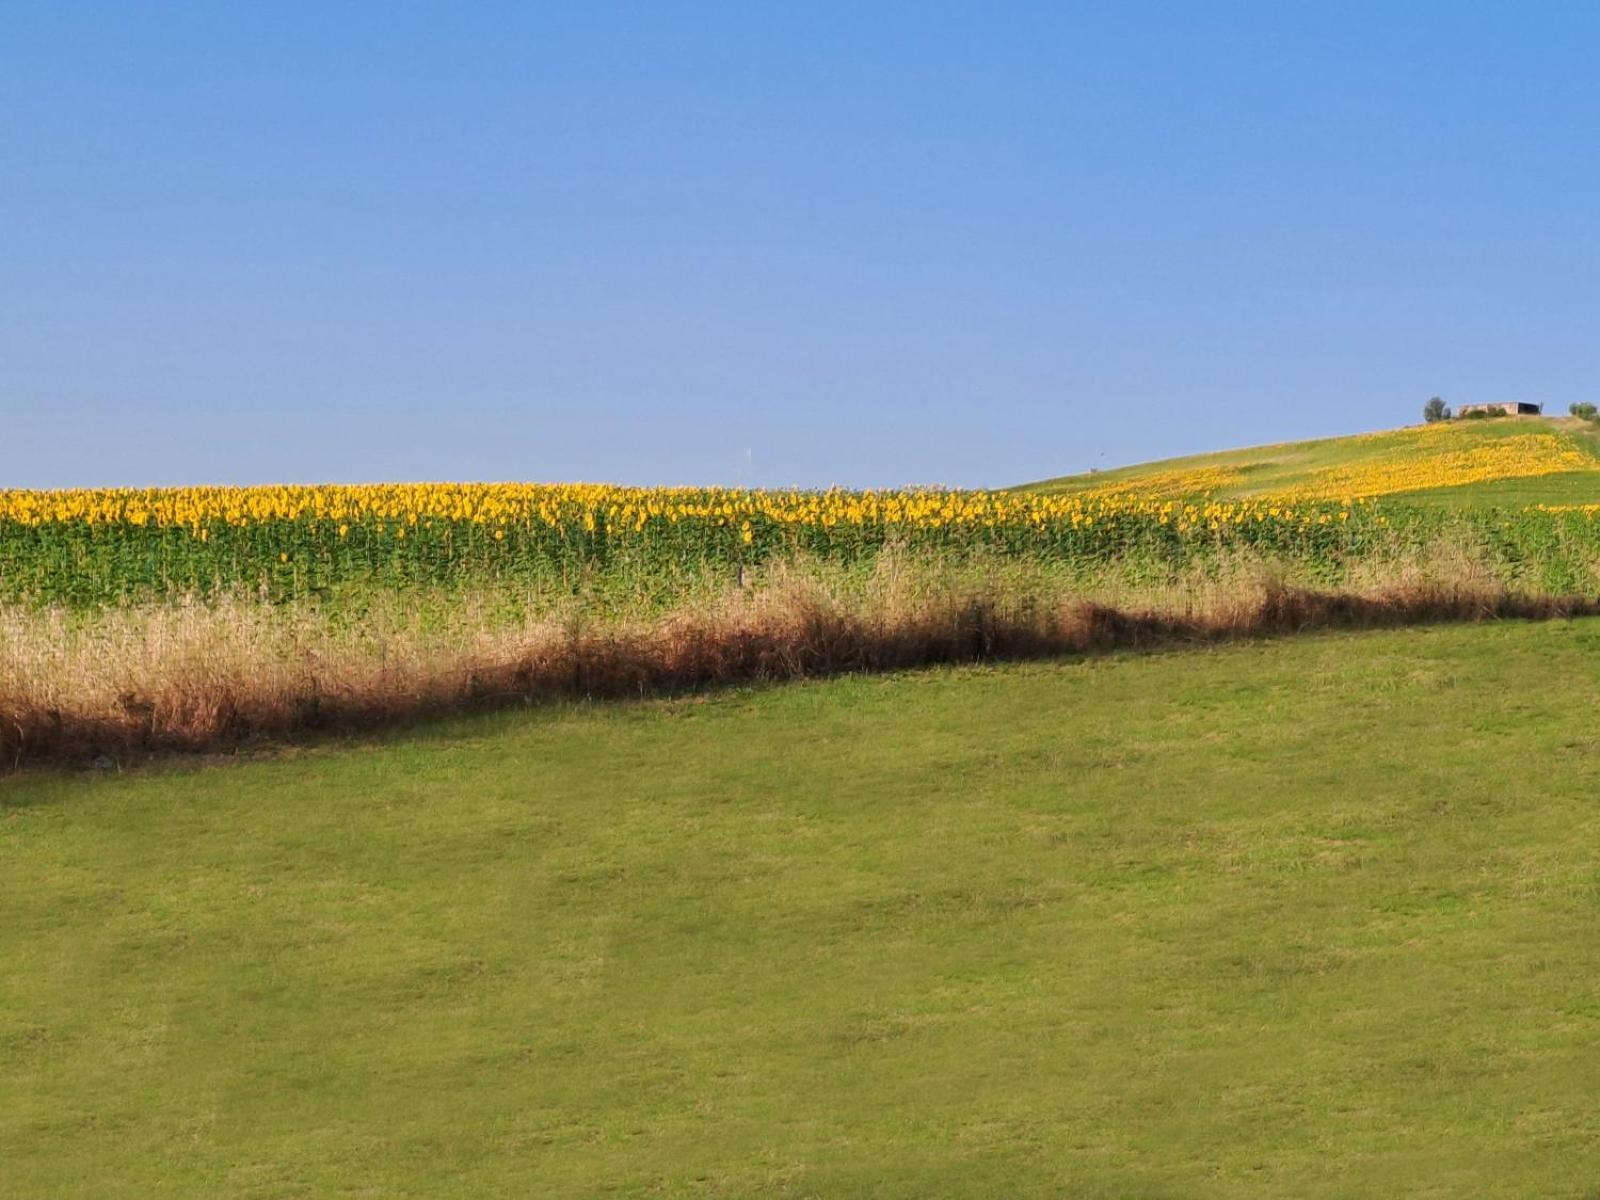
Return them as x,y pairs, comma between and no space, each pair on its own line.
1519,460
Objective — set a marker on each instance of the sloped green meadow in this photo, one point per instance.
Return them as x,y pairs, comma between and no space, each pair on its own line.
1310,917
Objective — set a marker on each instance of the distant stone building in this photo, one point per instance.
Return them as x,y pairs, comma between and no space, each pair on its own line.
1502,408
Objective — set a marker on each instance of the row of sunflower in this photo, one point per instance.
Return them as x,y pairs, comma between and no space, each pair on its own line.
117,544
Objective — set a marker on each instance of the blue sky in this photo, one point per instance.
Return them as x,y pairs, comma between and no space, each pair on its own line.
865,244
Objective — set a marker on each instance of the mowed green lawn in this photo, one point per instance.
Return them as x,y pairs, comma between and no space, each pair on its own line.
1308,918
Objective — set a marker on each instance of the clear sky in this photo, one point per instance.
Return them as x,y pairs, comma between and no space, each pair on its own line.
855,243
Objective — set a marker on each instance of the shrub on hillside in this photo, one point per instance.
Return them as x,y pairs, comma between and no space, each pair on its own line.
1435,410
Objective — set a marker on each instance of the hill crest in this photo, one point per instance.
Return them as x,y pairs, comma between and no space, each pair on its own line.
1511,460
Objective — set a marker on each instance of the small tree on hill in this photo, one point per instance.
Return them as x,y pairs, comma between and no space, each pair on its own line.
1435,410
1587,412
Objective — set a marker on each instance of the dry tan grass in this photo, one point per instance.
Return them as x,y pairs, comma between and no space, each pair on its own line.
212,675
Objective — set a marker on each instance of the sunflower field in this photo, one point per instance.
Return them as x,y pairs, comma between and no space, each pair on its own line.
93,547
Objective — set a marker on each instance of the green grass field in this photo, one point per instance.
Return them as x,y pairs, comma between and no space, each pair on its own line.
1565,487
1282,467
1307,918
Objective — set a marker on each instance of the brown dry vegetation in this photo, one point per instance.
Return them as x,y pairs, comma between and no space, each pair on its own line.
219,674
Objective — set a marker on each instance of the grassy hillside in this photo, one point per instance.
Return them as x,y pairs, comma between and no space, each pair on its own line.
1309,918
1515,461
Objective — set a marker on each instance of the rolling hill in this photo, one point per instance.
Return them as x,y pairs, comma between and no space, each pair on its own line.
1516,461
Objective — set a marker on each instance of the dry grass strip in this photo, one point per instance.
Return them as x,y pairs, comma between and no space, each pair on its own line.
130,683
